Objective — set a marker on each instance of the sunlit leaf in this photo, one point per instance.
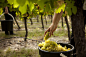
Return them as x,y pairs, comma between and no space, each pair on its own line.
10,1
23,9
15,4
31,6
21,2
62,7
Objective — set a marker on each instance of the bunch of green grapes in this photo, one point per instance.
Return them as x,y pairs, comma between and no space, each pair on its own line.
46,36
52,46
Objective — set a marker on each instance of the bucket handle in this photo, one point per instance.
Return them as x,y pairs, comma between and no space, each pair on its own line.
8,14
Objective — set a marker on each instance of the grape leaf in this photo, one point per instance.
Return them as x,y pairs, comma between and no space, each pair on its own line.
31,6
69,11
21,2
10,1
41,4
62,7
47,8
34,1
23,9
74,9
52,3
15,4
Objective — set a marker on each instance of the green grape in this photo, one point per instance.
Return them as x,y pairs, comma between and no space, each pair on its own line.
41,44
52,46
43,48
46,36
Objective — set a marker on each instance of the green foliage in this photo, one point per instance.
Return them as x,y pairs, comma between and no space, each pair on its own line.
31,6
23,8
70,8
1,11
61,8
47,8
74,9
45,5
41,3
14,2
10,1
52,3
21,2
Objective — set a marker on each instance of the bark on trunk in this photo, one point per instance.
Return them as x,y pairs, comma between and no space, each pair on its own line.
25,22
42,22
79,30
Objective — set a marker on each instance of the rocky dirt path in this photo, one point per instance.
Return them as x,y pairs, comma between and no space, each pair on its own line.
18,43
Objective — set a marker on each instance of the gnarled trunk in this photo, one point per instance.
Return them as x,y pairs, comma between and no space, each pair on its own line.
25,22
79,30
42,22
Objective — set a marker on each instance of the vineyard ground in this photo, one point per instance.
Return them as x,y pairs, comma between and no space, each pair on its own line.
35,36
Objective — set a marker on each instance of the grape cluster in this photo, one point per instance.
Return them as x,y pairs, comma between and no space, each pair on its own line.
46,36
52,46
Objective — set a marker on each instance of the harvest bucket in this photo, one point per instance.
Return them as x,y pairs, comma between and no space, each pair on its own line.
7,25
57,54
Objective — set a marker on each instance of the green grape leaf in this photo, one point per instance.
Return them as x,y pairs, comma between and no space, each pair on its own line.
62,7
34,1
52,3
31,6
23,9
47,8
58,10
2,1
15,4
10,1
21,2
41,3
69,12
74,9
